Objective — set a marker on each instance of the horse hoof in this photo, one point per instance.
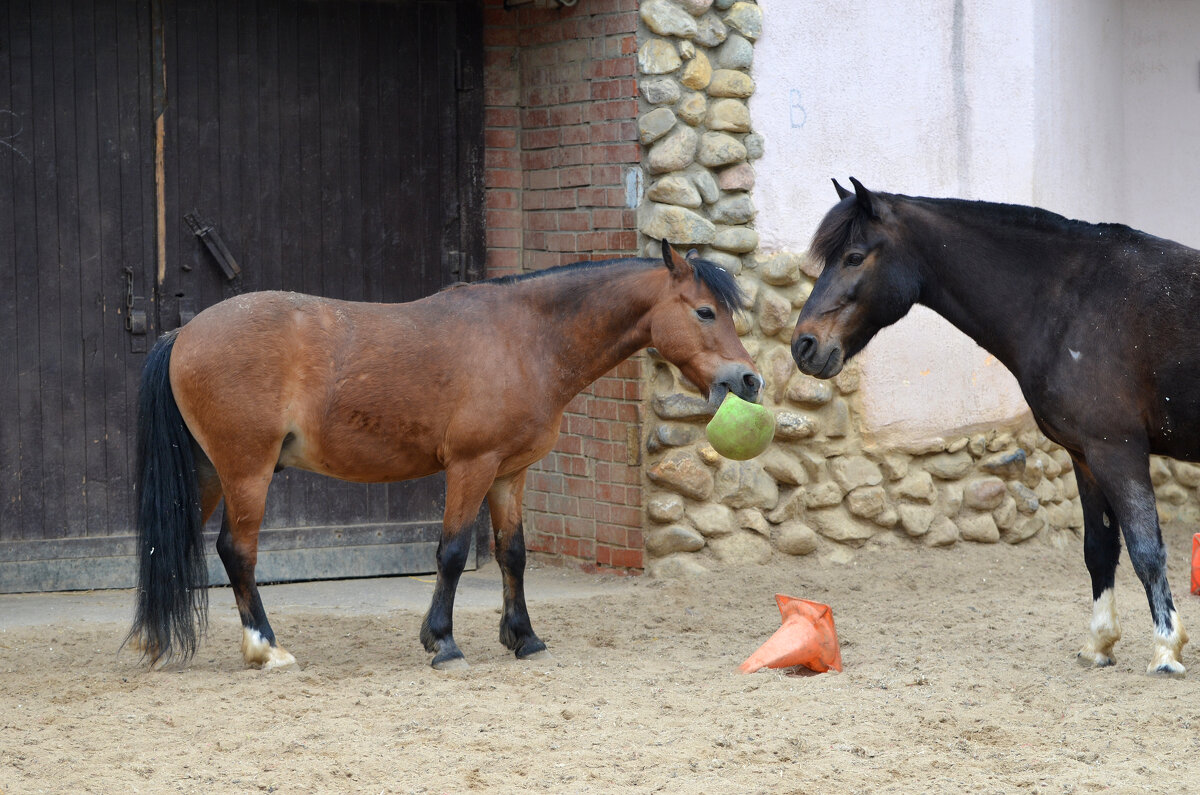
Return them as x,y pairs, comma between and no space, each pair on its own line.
280,660
1091,659
451,664
1170,669
529,648
537,656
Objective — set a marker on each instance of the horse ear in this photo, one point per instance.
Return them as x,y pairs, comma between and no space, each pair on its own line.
865,199
842,192
677,265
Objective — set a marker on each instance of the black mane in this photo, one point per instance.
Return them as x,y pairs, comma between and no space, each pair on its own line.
718,280
845,221
1022,216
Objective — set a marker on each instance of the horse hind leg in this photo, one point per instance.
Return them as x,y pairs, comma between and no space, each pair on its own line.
237,544
516,630
1126,483
1101,551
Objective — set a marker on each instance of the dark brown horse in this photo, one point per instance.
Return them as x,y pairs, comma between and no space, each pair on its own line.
1099,323
472,381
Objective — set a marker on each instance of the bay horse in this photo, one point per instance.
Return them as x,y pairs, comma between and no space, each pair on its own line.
471,380
1098,322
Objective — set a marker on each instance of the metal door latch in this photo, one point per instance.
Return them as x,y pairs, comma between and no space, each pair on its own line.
216,246
135,314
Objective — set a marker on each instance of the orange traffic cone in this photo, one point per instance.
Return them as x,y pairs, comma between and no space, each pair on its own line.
806,638
1196,564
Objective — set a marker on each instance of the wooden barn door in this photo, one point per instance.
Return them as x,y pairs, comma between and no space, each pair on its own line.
76,230
332,148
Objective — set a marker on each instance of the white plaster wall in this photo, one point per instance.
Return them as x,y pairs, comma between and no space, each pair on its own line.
1089,108
1079,169
1161,47
922,97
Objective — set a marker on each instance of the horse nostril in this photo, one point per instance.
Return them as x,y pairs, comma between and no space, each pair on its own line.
752,382
803,346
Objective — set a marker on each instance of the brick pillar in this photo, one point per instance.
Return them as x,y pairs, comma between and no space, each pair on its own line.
561,138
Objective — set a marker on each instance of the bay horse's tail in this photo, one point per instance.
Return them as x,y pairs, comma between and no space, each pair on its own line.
172,589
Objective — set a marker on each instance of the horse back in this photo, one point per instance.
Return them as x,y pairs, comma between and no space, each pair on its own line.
358,391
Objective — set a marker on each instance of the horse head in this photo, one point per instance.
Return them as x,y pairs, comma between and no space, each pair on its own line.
692,328
869,281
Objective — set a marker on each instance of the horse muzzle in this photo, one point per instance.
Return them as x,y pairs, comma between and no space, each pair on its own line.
739,379
815,359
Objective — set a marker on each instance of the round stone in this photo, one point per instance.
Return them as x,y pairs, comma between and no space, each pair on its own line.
738,239
674,151
676,224
658,57
698,72
710,30
745,18
655,125
735,53
675,189
659,90
668,19
728,115
719,149
692,108
735,209
730,83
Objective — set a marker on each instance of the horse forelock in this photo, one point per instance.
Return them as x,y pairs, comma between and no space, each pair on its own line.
720,282
842,224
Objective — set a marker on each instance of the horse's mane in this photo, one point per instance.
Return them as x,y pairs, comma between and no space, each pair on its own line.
718,280
1035,218
846,220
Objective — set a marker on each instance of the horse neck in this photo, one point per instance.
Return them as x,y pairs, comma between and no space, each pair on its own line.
988,279
593,320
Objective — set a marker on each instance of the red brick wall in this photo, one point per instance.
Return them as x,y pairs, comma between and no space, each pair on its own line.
560,135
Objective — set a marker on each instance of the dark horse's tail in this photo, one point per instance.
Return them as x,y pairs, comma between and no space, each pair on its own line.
172,589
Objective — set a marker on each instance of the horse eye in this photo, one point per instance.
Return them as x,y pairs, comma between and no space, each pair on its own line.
854,259
705,313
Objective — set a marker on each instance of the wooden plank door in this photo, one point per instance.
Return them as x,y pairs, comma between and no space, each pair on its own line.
76,211
320,142
335,146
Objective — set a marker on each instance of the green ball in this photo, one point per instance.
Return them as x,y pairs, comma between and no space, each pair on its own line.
740,430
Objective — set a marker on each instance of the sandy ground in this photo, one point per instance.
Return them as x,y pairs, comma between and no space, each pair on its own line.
959,676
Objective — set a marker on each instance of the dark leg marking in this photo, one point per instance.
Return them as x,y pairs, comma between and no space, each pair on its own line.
437,630
1101,552
516,630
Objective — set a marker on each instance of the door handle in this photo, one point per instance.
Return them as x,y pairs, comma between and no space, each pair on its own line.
135,315
215,245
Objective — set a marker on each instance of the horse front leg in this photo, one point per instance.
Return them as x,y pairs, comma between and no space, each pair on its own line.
516,631
1124,477
1101,551
466,486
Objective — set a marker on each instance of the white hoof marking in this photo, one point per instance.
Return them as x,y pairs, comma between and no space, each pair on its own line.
1168,650
1105,631
256,650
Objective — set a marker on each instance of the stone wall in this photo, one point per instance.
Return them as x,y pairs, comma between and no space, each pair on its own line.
823,486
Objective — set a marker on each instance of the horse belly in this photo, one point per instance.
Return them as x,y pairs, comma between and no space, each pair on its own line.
1175,432
1173,412
358,452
